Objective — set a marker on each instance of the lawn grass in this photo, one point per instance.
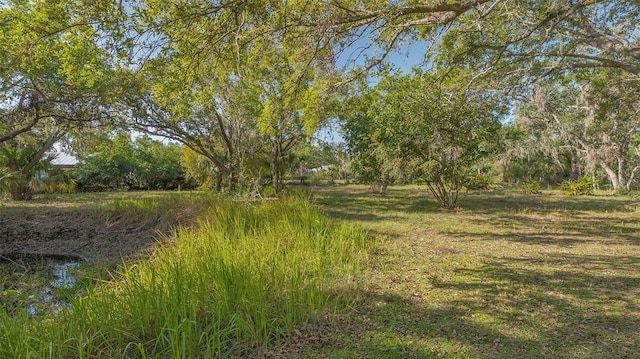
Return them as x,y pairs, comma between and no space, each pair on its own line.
508,275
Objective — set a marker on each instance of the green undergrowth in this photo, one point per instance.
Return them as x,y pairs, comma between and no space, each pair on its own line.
243,276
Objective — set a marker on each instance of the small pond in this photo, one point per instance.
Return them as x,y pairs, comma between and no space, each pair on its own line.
39,286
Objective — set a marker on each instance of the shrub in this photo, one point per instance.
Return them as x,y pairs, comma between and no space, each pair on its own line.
480,181
125,165
531,188
583,186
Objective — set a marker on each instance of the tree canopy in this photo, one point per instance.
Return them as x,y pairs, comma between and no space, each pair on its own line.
427,128
245,83
518,38
54,68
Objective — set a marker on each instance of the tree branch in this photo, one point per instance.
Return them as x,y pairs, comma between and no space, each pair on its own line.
19,131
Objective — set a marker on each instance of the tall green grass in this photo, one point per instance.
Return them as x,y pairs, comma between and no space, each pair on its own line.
241,278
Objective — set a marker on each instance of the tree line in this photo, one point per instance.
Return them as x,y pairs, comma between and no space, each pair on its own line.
544,90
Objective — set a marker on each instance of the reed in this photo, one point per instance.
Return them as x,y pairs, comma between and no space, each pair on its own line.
238,279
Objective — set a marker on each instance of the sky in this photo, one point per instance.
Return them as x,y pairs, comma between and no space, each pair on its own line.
404,59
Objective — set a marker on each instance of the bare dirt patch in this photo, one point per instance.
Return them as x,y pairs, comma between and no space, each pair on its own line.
61,232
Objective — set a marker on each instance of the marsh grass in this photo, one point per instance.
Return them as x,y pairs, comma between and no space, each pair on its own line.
20,282
242,277
507,275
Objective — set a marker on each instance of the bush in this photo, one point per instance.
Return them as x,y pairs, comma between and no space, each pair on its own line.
144,164
531,188
480,181
583,186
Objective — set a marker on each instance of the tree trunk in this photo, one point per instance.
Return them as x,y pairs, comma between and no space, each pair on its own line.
613,177
276,166
384,184
383,187
232,179
622,178
275,177
219,179
575,167
20,190
276,169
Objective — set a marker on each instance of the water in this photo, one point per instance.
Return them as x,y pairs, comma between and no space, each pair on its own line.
46,302
62,277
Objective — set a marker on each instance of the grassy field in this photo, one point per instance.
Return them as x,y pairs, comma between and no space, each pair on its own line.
508,275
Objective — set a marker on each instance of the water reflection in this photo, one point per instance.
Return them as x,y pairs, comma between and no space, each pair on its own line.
46,302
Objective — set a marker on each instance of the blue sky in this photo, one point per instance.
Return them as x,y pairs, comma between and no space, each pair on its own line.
404,59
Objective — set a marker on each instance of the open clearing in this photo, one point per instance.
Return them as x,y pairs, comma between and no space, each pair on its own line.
509,275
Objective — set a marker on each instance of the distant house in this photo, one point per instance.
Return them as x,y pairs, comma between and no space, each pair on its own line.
63,160
303,172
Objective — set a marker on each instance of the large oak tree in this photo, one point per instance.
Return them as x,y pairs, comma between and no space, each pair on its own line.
55,77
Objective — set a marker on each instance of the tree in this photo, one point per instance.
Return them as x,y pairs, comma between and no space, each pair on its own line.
372,161
531,154
24,159
54,78
519,39
224,89
191,87
293,103
596,114
528,40
214,117
438,127
52,69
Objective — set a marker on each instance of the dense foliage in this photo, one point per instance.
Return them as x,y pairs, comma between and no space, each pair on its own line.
246,85
426,128
120,164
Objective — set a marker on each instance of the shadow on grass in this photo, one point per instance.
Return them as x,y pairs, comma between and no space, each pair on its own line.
359,205
551,238
564,231
512,304
514,201
356,203
550,219
511,308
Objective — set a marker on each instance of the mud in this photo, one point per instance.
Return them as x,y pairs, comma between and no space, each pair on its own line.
71,235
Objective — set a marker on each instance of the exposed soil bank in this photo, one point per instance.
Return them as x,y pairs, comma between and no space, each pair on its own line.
70,234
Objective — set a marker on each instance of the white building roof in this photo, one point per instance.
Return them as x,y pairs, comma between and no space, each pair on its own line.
63,159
